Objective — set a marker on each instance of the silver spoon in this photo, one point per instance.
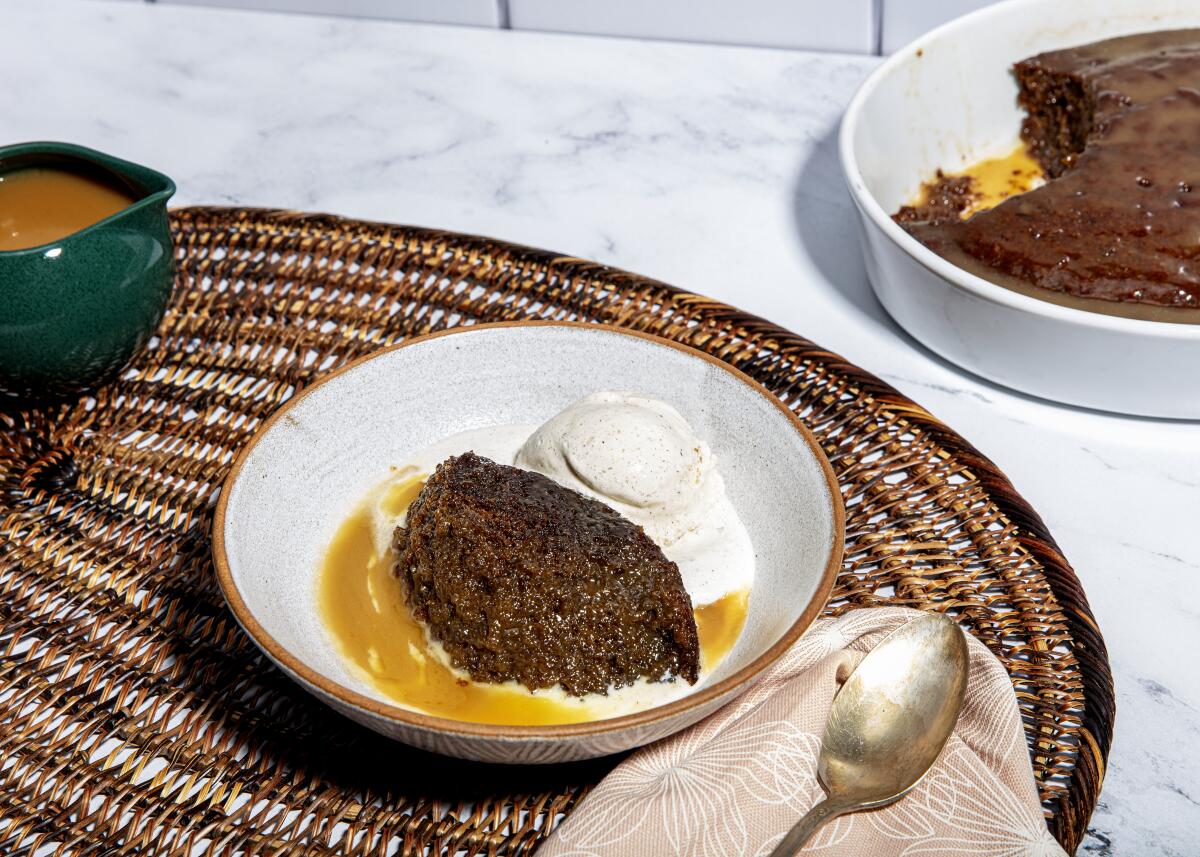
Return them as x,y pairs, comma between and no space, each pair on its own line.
888,722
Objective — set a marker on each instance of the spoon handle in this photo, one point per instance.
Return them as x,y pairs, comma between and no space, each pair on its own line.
803,829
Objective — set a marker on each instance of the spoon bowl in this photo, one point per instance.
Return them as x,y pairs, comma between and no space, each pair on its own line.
888,723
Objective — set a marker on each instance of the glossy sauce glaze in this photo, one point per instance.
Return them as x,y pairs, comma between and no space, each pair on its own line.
43,205
364,610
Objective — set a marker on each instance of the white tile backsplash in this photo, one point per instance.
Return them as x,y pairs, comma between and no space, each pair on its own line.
851,26
904,20
828,25
483,13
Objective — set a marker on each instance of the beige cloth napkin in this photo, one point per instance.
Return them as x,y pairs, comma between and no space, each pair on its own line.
734,783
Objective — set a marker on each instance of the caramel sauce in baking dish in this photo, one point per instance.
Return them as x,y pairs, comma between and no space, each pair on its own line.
993,180
40,205
364,609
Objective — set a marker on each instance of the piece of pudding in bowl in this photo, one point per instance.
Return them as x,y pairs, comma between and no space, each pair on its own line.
521,579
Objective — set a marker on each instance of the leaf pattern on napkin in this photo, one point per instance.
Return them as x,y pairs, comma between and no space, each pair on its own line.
692,787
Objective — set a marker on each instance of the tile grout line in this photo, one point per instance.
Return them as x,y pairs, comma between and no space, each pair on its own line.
503,18
876,26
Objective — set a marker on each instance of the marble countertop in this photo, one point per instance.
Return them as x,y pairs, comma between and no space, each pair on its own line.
712,168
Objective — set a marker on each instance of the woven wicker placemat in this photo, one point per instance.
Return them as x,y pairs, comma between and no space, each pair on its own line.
137,718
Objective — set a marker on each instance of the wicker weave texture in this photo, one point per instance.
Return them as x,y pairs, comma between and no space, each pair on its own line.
137,718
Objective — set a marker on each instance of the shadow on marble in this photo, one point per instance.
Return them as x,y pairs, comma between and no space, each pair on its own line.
827,228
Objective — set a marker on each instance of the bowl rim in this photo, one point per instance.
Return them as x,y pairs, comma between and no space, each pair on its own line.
964,280
428,722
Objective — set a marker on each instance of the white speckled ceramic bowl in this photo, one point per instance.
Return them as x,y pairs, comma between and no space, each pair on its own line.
309,465
949,99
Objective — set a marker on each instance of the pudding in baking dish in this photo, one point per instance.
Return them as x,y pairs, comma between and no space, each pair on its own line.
1115,226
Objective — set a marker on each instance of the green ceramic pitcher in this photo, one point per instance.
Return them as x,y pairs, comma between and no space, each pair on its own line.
73,311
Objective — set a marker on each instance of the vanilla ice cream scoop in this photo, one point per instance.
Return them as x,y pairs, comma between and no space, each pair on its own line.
634,453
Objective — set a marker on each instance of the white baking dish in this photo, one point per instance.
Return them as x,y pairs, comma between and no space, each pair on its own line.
946,100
